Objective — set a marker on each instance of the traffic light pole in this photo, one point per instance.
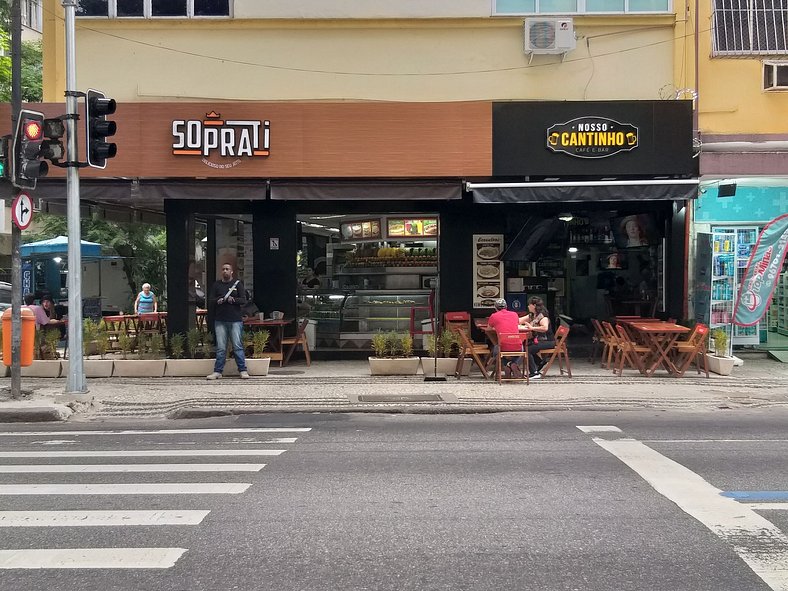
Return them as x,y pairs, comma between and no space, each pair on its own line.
16,233
75,382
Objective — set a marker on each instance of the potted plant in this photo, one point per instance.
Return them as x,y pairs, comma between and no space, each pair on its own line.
261,360
150,362
393,355
198,363
720,362
445,357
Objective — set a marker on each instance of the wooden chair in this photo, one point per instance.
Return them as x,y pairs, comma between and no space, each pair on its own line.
480,353
294,342
512,338
558,352
691,350
599,343
629,352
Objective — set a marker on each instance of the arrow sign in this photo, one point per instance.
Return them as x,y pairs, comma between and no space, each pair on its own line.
22,211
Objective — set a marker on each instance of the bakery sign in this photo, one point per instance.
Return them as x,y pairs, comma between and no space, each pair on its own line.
221,143
592,137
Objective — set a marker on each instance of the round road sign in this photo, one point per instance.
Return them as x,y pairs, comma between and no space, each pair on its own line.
22,211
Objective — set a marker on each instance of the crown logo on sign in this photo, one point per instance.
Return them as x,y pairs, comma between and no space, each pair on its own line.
213,115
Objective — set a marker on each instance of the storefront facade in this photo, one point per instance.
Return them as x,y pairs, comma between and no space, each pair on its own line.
246,182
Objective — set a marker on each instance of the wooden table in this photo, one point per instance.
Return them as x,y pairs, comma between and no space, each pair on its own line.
660,337
278,327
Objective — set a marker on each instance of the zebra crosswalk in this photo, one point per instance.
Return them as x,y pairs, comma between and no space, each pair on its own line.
88,470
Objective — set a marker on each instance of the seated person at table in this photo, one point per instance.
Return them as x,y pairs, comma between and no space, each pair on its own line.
538,323
505,321
38,311
54,317
146,301
249,309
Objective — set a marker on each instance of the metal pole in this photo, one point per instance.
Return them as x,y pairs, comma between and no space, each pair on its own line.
16,233
75,383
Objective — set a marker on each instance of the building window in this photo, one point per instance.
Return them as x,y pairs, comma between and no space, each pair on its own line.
775,75
153,8
568,7
31,14
750,27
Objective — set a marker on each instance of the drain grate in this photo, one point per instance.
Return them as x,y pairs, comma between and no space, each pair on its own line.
400,398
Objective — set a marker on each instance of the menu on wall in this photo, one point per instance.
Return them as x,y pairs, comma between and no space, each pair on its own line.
361,230
487,269
412,227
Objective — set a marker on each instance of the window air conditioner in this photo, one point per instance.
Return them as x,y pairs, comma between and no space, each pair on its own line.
775,75
549,35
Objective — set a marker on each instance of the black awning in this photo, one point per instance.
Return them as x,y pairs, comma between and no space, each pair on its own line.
373,190
584,191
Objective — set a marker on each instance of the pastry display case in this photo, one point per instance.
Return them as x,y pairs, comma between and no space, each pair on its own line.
366,312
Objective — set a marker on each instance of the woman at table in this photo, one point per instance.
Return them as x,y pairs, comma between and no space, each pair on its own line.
146,301
538,322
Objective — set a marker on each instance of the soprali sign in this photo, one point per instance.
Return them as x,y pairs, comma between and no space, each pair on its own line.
763,271
214,138
592,137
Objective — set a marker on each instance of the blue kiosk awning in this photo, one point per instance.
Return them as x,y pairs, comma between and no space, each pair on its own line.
57,245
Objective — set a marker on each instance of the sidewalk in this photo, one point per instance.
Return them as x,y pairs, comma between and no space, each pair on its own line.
346,386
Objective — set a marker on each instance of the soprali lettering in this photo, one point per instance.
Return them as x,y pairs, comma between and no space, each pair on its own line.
230,138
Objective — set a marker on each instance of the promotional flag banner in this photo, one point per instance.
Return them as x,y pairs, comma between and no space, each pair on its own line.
763,271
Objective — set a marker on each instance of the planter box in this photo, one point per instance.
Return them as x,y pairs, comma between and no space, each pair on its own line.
188,368
720,365
402,366
139,368
446,366
255,367
42,368
93,368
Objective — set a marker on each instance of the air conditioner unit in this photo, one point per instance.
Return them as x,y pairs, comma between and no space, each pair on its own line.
549,35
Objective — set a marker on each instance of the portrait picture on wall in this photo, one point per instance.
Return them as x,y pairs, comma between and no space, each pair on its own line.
635,231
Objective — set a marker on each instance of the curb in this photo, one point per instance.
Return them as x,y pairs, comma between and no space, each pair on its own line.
34,414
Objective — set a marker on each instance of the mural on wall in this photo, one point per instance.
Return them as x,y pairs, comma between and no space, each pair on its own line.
749,204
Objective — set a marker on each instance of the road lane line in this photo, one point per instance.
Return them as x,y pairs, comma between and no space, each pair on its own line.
172,488
157,432
767,506
99,468
142,453
759,543
599,429
136,558
99,518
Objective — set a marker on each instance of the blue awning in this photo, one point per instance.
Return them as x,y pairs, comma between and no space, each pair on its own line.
58,245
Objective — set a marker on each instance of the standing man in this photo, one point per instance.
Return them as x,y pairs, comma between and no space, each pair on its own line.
229,294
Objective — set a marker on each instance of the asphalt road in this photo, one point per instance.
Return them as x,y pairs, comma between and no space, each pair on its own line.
630,501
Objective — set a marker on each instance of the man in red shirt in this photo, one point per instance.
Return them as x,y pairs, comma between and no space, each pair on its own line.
504,321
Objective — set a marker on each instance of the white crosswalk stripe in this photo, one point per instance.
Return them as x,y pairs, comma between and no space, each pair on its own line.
54,462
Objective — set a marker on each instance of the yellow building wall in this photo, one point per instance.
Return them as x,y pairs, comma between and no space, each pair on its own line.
379,60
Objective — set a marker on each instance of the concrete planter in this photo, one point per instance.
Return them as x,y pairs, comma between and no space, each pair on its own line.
446,366
93,368
401,366
42,368
139,368
188,368
258,367
720,365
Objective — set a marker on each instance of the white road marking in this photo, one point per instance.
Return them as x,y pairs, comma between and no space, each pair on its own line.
98,518
172,488
599,429
759,543
158,432
142,453
95,468
91,558
715,440
767,506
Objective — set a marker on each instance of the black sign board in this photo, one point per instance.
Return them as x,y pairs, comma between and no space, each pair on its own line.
593,139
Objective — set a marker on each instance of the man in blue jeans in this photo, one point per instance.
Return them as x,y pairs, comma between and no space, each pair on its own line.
230,296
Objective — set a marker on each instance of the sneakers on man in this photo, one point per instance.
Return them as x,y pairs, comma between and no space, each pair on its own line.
244,375
535,376
213,376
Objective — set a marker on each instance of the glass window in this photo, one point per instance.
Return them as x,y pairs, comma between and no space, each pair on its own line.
557,6
131,8
92,8
649,5
515,6
211,7
168,8
605,6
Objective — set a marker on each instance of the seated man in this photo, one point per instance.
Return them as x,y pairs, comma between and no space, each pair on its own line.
505,321
39,312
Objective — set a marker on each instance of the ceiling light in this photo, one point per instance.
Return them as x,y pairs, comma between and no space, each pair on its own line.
572,249
565,217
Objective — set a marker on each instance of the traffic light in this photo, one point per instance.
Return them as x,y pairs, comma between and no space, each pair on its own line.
52,147
5,147
26,163
97,107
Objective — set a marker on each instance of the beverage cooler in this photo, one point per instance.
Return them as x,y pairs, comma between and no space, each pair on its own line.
731,250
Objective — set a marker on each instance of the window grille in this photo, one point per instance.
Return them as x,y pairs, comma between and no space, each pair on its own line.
742,28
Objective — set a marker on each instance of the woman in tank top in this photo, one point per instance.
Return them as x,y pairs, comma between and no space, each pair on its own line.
146,301
538,322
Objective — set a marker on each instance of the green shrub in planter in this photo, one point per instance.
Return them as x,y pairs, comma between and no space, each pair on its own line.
260,340
720,337
177,342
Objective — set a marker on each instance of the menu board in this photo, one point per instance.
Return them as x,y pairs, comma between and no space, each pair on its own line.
487,269
412,227
361,230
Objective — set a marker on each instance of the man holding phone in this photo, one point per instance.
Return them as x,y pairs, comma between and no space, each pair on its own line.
229,295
